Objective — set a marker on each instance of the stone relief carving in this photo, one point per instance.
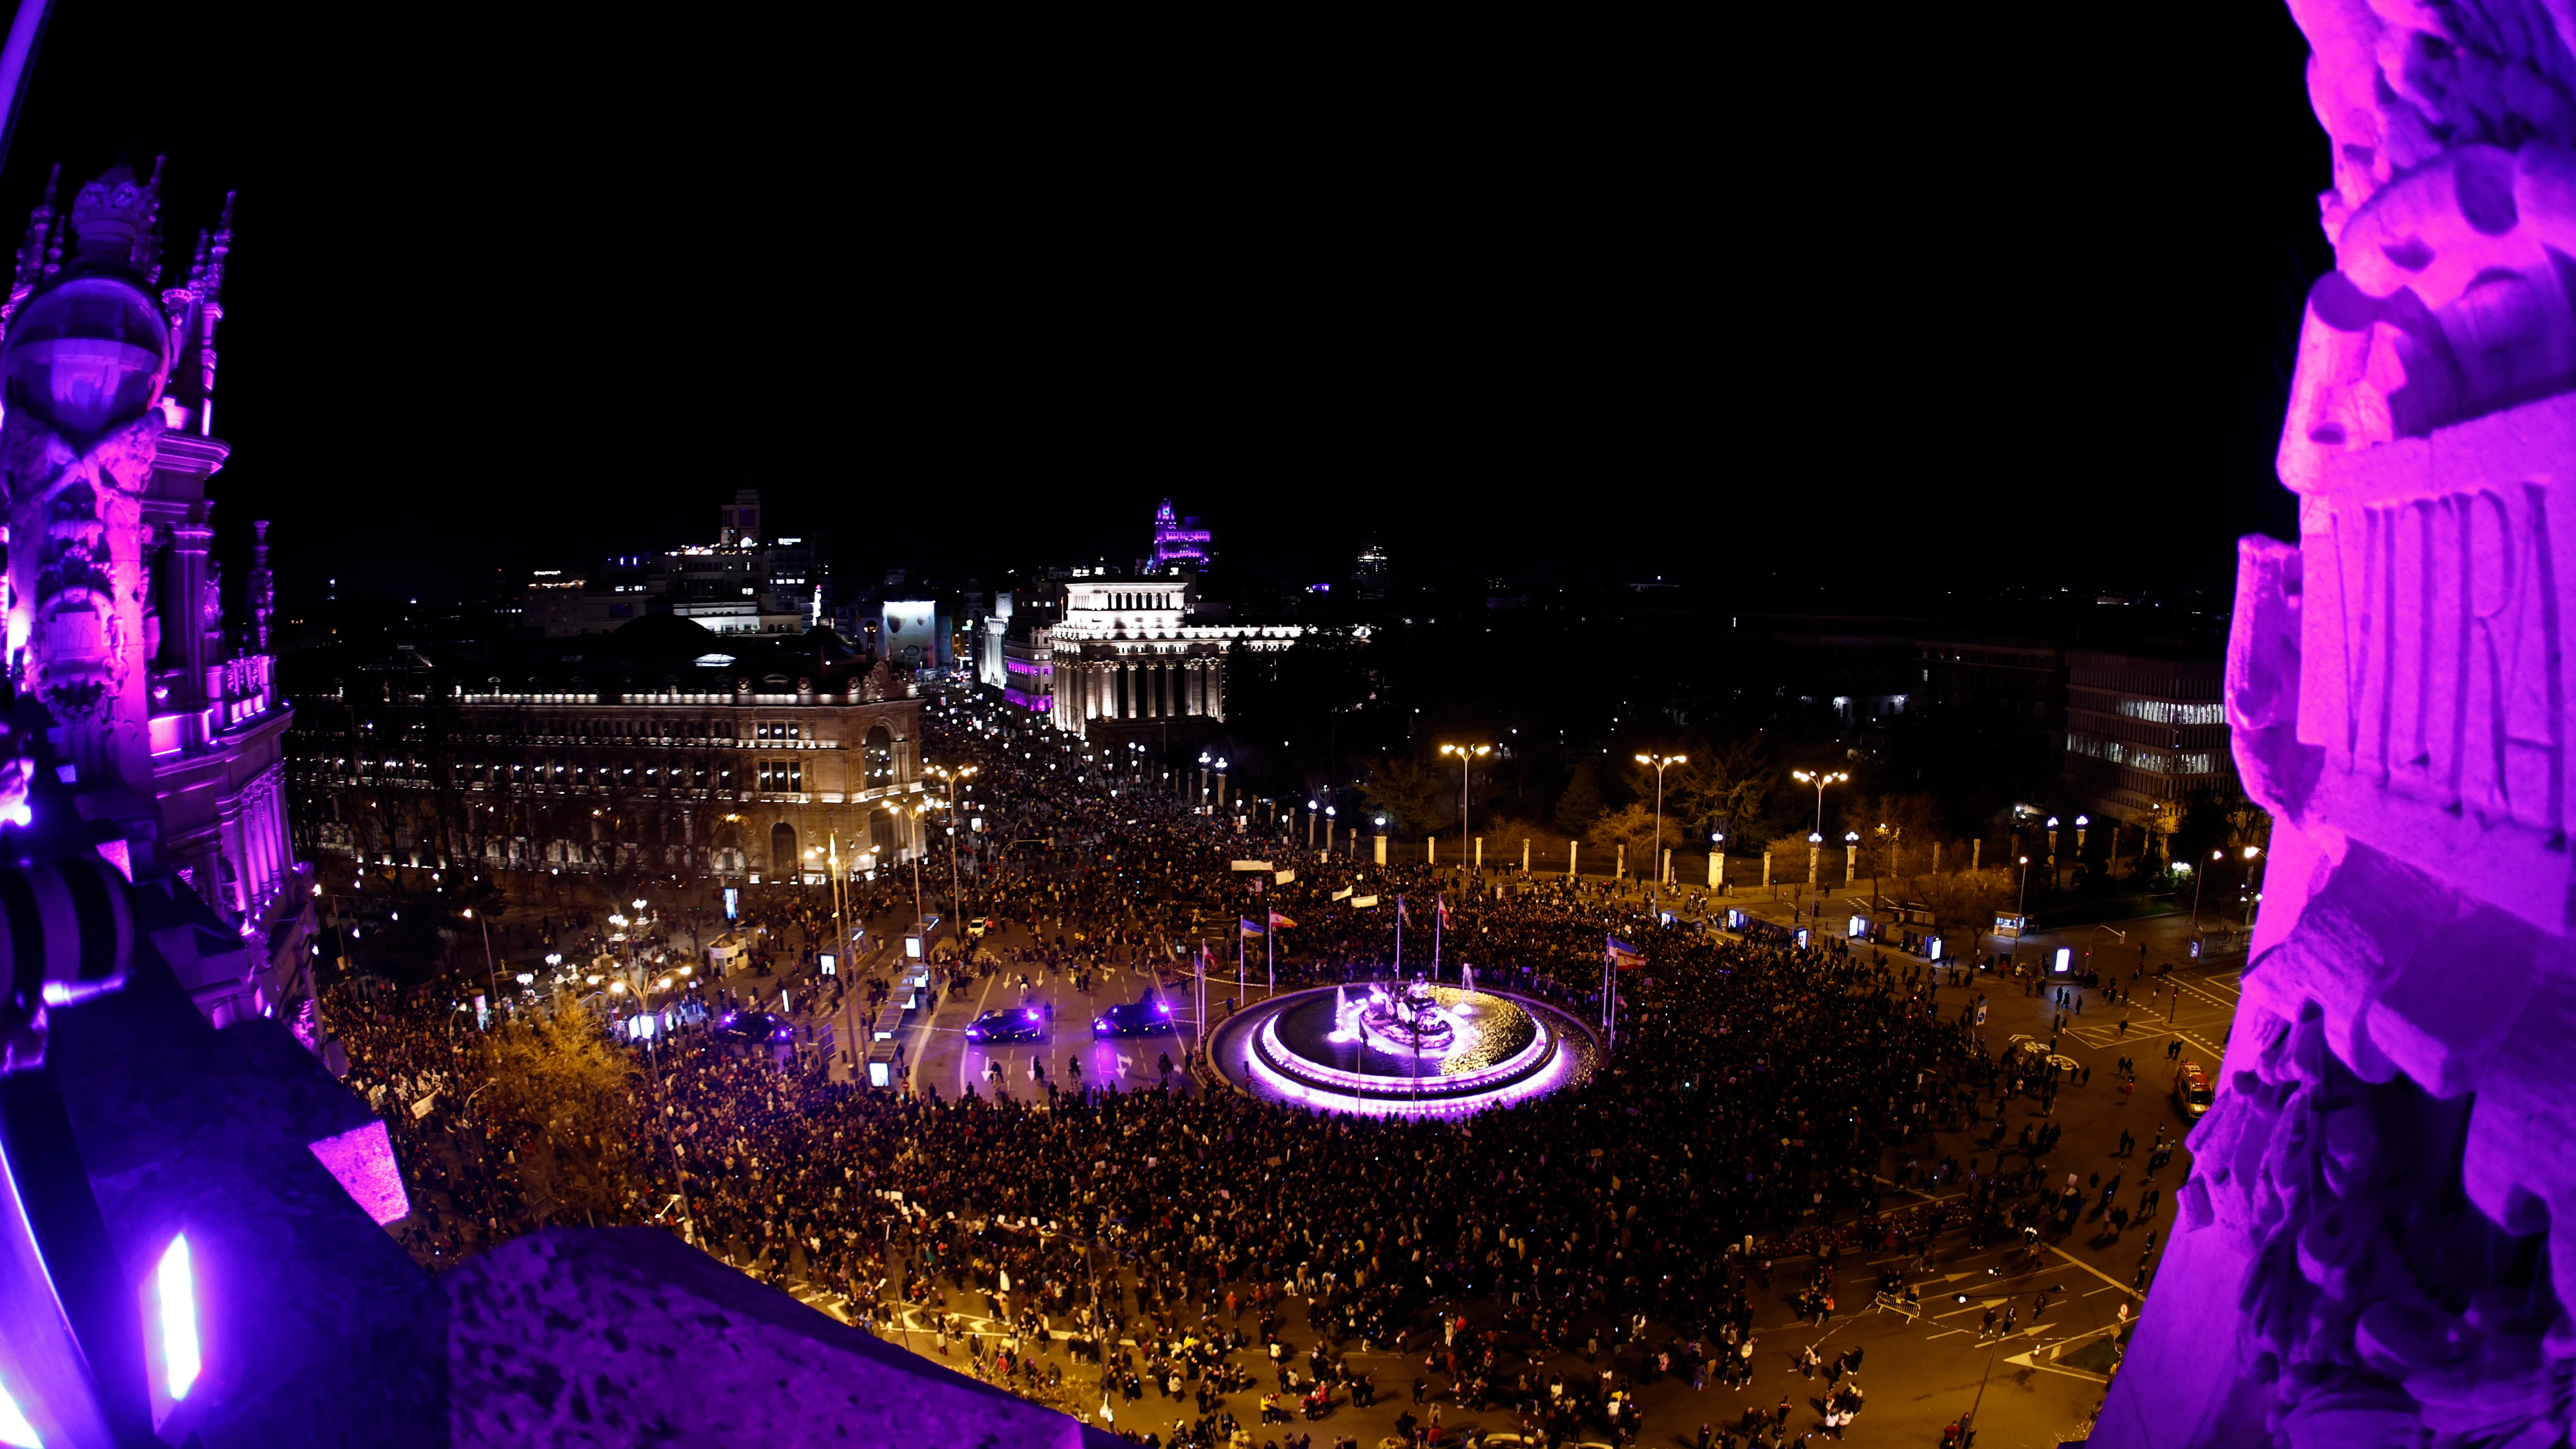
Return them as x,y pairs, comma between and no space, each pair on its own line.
2384,1197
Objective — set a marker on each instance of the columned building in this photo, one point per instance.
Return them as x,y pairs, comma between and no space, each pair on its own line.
1124,656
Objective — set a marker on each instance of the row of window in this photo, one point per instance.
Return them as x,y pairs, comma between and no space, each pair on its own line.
2154,711
782,775
2159,762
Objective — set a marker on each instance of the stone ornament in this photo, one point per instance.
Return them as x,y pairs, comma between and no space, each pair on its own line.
2384,1198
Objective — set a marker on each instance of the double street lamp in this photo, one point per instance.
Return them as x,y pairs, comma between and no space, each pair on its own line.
1661,764
1467,756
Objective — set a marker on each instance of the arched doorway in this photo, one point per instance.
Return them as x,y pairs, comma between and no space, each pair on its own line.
783,865
881,835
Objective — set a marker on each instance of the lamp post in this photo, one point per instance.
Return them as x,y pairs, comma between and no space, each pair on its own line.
1467,755
1329,812
1815,838
1820,780
2252,896
2080,823
1310,825
489,969
1717,861
1815,873
1656,862
2199,885
2021,904
2052,852
1203,774
1851,858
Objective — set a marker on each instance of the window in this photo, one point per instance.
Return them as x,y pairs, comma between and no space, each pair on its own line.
880,757
784,776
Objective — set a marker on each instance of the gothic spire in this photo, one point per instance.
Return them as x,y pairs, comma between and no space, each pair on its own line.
41,252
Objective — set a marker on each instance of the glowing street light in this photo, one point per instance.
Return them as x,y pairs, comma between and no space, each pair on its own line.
1467,755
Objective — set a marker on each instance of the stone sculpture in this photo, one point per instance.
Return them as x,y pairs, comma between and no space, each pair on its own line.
2384,1202
87,354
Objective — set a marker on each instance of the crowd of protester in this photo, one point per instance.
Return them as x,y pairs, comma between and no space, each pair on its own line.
1162,1252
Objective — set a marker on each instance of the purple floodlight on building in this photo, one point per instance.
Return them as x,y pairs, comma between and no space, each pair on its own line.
1179,543
2378,1241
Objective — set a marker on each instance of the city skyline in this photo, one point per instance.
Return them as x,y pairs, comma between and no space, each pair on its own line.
1362,306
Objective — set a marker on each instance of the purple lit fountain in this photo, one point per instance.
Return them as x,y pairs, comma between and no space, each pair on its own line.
2371,1247
1402,1048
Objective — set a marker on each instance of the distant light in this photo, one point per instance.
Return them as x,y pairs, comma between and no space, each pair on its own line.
180,1360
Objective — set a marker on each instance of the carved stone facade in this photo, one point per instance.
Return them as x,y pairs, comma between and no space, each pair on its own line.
169,720
2372,1247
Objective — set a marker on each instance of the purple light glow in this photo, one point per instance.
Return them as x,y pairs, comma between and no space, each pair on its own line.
176,1288
15,1431
1552,1059
1322,1075
361,1160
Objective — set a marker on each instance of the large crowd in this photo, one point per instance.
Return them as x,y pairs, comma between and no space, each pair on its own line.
1764,1123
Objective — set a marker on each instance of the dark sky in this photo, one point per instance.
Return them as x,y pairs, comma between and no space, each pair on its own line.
1866,297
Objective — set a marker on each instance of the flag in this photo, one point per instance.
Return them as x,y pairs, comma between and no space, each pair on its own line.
1251,927
1281,922
1343,894
1442,902
1399,911
1624,956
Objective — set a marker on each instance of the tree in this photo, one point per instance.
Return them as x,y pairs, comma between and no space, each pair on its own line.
1725,787
1420,797
1889,822
560,1097
1580,805
1633,827
1963,903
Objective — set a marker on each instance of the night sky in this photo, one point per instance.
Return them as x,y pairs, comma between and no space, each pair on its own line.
1793,303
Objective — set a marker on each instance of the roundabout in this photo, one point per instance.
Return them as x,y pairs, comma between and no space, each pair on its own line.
1402,1049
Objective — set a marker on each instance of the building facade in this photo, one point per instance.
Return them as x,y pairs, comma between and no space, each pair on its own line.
1125,655
743,583
641,762
2144,733
166,712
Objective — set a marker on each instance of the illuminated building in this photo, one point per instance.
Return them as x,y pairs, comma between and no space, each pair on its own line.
2144,733
1125,655
662,750
741,584
168,712
1180,545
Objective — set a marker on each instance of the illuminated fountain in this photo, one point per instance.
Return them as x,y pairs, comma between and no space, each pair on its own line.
1402,1048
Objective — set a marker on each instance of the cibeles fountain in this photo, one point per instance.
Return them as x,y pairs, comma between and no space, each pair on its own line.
2375,1245
1402,1048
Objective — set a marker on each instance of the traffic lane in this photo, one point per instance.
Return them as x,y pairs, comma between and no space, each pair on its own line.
2090,1120
948,1058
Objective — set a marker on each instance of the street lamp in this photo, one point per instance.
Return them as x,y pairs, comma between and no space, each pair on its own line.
1851,857
2199,885
1310,825
1661,764
1820,780
2021,905
1467,754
